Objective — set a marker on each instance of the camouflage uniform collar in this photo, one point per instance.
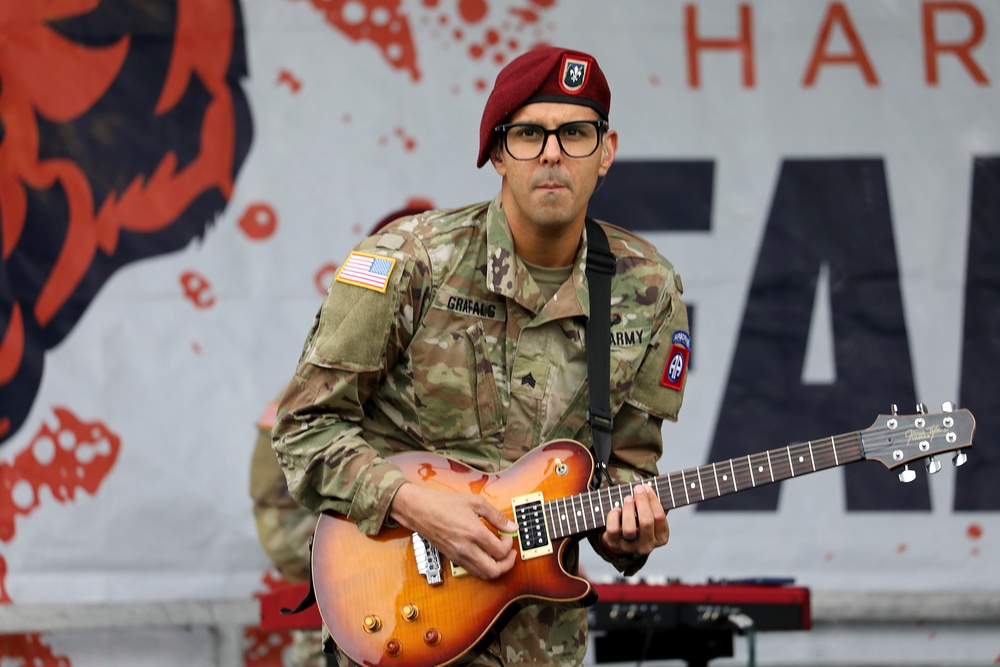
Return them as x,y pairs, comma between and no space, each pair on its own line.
508,277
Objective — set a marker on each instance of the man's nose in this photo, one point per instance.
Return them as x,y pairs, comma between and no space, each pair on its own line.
551,150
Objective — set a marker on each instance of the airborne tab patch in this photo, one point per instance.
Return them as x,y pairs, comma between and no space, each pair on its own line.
368,271
677,361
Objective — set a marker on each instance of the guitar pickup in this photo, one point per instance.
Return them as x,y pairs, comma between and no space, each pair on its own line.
532,531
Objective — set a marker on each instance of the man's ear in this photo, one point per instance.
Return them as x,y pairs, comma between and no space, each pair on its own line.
496,157
609,146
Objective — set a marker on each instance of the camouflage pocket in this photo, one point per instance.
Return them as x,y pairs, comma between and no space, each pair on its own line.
453,380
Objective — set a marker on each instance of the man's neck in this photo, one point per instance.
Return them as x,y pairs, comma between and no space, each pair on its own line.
552,247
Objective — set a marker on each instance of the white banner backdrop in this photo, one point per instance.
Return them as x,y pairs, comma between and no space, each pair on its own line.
177,355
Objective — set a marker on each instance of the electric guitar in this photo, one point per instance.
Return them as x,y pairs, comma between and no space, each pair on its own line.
393,599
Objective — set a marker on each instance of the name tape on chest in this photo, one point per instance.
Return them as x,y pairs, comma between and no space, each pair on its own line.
677,361
368,271
487,310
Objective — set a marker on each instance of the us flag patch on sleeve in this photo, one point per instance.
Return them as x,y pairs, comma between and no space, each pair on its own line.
368,271
677,361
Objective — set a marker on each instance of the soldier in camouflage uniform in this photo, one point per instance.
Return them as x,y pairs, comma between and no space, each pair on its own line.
462,332
284,528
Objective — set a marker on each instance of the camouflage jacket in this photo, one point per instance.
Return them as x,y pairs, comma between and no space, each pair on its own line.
462,355
283,525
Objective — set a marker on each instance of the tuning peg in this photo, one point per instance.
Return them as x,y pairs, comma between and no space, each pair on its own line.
947,406
907,475
960,458
921,409
933,465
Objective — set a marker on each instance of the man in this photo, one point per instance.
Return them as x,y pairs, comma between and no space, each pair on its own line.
463,333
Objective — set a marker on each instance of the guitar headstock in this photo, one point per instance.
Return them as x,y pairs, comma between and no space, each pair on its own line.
898,440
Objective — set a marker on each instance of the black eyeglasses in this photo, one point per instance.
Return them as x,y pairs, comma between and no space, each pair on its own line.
526,141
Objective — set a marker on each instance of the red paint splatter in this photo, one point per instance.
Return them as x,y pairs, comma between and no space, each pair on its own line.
4,597
828,556
472,11
285,77
74,455
409,143
501,31
324,276
902,548
259,222
31,651
265,649
197,289
419,202
654,80
526,15
196,347
378,21
974,531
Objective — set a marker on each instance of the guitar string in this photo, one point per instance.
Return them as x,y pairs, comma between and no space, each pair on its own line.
793,460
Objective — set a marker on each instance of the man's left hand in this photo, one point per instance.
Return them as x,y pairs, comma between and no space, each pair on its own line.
639,526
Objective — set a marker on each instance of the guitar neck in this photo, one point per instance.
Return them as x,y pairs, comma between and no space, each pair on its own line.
584,512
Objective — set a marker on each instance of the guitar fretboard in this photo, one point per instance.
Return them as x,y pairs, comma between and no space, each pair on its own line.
580,513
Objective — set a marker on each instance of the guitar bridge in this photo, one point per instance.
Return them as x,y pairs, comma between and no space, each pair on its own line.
428,559
532,531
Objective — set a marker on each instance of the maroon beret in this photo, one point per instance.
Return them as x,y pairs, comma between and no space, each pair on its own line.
544,74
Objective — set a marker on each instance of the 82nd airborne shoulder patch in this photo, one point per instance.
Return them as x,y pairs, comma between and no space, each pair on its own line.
677,361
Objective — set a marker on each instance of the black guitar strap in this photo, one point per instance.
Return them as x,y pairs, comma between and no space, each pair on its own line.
310,597
600,269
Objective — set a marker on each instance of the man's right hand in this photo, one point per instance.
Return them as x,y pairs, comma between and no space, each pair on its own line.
463,526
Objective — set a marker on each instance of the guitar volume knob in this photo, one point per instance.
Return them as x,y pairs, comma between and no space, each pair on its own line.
409,612
393,648
432,637
372,623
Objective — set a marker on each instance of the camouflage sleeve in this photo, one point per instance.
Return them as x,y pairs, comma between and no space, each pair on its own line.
654,389
638,437
357,336
283,525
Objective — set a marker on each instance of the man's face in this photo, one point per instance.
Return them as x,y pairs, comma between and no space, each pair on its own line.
549,194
